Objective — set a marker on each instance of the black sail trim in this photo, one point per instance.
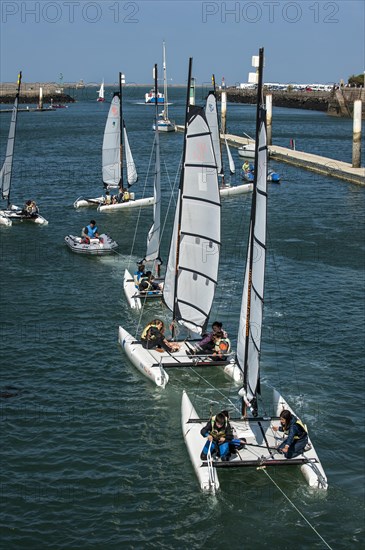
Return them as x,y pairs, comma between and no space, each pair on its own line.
203,237
200,199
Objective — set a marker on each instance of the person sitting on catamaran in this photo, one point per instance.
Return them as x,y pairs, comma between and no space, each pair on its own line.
246,166
206,345
90,231
221,346
297,439
108,198
147,283
137,276
153,337
30,209
219,433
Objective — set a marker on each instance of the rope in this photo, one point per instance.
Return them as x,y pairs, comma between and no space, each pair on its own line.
297,509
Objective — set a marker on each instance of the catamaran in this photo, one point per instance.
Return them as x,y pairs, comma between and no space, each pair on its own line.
115,147
11,212
211,112
192,267
255,429
101,92
134,296
164,124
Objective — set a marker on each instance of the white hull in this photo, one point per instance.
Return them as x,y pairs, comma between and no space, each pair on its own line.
134,297
236,189
125,205
208,478
153,364
247,151
15,214
256,452
88,203
313,473
164,126
97,247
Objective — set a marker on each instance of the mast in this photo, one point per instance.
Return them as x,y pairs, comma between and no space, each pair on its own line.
121,182
6,171
153,238
165,107
249,337
192,267
181,187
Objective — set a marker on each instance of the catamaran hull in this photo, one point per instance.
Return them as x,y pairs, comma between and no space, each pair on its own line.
144,360
82,203
313,472
96,247
125,205
236,189
134,297
208,478
16,214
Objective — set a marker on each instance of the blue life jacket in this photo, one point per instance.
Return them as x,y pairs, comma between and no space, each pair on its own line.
91,231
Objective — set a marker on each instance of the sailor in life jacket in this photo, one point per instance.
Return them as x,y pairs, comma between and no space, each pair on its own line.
219,433
296,441
30,209
153,337
137,276
90,232
108,198
147,283
246,166
221,346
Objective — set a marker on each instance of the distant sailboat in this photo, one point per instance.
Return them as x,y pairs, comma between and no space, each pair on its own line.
101,92
12,212
115,148
164,124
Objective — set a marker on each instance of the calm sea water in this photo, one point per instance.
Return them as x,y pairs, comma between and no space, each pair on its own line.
92,452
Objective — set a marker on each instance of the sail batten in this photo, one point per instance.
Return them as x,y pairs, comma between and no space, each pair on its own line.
192,268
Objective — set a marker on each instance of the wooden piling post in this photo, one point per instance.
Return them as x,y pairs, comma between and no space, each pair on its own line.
356,139
269,118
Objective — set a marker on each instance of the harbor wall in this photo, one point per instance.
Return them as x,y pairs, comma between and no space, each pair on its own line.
338,102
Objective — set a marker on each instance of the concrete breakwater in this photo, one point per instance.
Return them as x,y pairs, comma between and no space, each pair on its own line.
34,98
337,102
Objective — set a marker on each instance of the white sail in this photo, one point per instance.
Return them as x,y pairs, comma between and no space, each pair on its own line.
211,113
5,173
132,175
111,165
101,92
192,269
249,335
153,238
232,167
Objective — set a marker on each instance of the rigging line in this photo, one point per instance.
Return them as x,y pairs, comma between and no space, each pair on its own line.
214,388
297,509
140,209
285,322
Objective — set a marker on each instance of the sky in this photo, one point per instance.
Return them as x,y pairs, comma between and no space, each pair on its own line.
305,41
